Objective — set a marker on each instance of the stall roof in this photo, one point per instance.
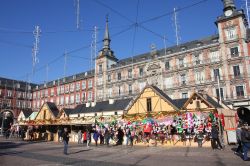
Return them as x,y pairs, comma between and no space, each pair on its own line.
27,112
53,108
102,106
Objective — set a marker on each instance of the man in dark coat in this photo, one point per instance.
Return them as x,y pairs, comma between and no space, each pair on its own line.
65,136
215,137
245,139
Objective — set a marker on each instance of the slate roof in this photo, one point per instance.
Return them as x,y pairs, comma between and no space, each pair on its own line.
169,51
179,102
27,112
65,80
102,106
10,84
211,101
53,108
68,111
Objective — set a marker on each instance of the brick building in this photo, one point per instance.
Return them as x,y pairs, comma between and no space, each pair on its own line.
15,96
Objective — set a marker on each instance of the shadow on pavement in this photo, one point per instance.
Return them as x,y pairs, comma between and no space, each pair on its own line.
80,151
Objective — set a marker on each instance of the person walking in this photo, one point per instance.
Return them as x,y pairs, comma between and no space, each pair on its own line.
84,135
107,136
96,136
215,138
88,136
79,134
245,138
65,136
238,138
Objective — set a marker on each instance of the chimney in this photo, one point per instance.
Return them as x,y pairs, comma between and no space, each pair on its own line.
111,101
87,104
93,104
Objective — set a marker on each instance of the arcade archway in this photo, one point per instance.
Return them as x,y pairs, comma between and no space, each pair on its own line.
6,119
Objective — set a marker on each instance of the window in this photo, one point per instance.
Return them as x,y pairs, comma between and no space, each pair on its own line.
72,87
198,104
89,96
183,79
58,90
67,89
167,66
141,71
44,114
199,77
100,68
216,74
109,78
62,100
83,84
38,95
130,89
67,100
78,98
214,56
34,95
9,93
62,89
219,95
236,70
119,90
77,86
83,96
239,91
197,59
46,93
52,92
130,73
72,99
119,76
185,95
234,52
181,62
231,33
149,105
90,83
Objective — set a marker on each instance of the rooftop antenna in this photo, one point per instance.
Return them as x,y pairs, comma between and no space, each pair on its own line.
35,48
65,64
47,73
77,14
247,12
176,28
165,46
93,53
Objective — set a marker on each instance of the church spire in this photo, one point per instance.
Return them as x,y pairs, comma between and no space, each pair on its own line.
106,40
228,4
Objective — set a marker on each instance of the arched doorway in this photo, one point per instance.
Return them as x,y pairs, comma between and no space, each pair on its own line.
6,119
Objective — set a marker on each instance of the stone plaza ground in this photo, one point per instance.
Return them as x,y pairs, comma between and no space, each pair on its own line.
15,152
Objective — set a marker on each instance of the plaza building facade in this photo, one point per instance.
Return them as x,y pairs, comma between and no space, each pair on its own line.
15,96
217,62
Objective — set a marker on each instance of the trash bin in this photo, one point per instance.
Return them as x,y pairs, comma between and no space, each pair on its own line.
231,137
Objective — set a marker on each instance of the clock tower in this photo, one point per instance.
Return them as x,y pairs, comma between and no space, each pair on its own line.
229,7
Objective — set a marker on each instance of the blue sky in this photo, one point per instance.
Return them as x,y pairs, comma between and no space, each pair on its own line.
59,34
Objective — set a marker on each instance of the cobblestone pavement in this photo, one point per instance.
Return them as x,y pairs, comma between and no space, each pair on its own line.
20,153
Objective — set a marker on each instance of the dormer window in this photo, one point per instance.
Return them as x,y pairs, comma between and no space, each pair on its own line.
183,48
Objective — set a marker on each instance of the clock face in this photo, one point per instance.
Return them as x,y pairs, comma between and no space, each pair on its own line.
228,13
